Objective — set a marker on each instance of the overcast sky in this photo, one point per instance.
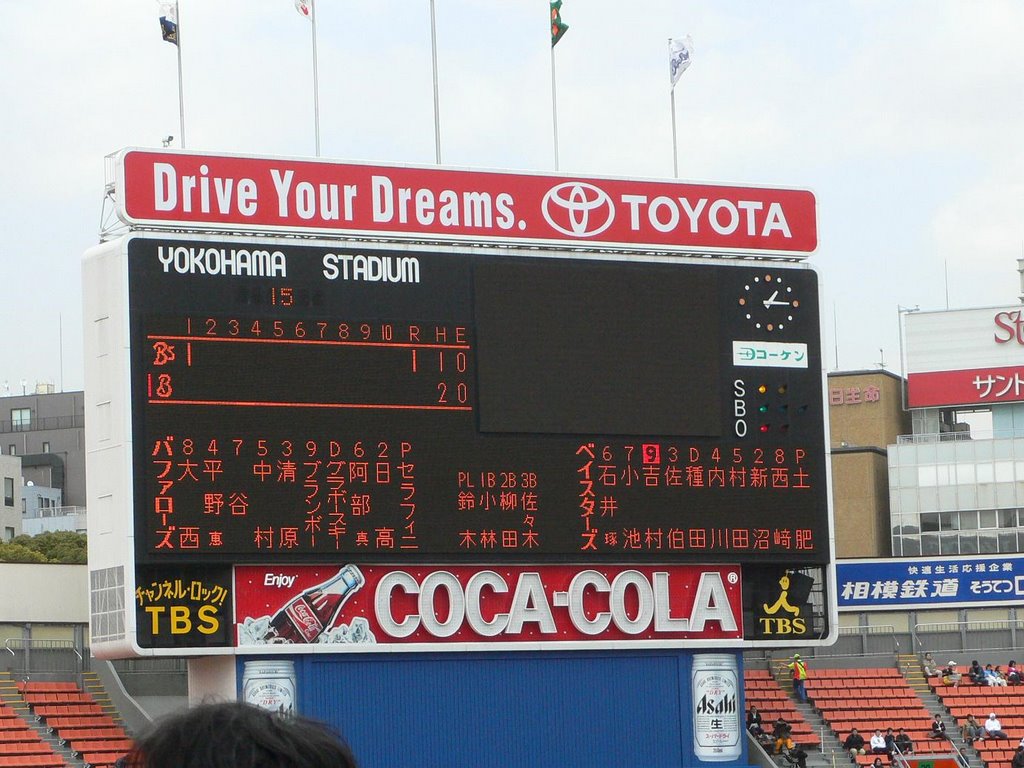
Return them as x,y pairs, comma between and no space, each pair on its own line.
905,118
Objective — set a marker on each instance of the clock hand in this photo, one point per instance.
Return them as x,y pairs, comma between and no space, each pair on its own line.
771,302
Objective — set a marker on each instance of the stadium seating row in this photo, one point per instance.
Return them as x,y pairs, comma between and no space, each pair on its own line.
41,686
26,748
21,734
72,735
51,760
57,697
97,721
874,673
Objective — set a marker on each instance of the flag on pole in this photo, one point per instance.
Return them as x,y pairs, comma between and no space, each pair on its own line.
557,27
169,22
679,54
305,7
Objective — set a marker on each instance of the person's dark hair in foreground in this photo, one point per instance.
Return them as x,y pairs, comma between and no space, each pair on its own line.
235,735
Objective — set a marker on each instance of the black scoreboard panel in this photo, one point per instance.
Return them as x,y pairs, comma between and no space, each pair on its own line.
298,401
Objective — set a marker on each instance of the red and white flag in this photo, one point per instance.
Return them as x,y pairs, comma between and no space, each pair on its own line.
305,7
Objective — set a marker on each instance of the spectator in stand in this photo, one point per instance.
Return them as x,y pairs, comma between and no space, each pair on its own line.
992,677
938,728
890,741
903,742
976,673
1012,673
798,668
950,676
797,756
783,733
854,744
972,730
1018,758
878,743
929,666
993,728
754,721
878,763
236,735
1021,744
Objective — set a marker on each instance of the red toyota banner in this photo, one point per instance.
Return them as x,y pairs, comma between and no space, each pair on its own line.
360,607
443,204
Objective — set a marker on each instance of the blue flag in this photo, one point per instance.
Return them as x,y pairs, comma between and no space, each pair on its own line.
169,24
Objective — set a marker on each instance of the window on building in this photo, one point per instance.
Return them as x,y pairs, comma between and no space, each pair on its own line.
46,447
21,419
1007,542
929,544
12,449
949,544
907,546
8,533
8,491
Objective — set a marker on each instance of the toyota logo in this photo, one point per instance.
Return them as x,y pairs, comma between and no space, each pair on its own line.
578,209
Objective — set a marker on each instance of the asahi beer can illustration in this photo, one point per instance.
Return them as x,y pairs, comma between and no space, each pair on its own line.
270,685
716,707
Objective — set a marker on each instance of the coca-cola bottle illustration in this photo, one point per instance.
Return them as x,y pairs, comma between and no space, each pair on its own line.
308,615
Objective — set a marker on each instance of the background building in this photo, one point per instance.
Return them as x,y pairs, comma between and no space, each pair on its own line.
957,482
865,416
10,497
45,430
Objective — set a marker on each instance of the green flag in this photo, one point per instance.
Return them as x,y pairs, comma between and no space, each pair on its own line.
557,27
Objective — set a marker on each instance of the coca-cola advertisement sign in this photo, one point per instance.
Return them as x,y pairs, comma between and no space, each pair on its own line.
360,607
444,204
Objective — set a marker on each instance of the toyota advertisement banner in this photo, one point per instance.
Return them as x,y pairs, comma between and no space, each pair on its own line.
442,204
358,607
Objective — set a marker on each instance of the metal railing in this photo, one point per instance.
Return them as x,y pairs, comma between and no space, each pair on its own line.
71,421
65,511
44,656
864,641
962,636
955,435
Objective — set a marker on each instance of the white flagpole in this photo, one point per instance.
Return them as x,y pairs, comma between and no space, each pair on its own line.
181,89
679,61
675,151
554,106
316,86
437,113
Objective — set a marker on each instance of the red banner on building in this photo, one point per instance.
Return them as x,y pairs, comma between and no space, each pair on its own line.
363,606
425,203
980,385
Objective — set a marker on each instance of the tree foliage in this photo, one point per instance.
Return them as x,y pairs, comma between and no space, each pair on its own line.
51,547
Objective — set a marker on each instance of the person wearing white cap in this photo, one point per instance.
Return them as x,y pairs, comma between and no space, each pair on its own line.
950,675
993,728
